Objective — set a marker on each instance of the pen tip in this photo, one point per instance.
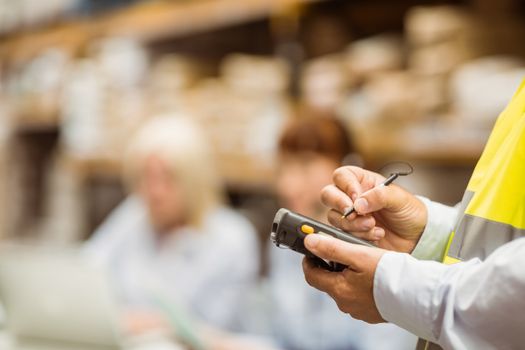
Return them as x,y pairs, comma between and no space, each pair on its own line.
347,212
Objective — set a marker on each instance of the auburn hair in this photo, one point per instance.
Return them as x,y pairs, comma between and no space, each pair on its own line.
323,135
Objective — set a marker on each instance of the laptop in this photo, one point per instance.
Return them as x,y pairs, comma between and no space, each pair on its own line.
56,300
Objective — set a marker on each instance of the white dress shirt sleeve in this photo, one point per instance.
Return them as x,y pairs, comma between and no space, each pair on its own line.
440,223
469,305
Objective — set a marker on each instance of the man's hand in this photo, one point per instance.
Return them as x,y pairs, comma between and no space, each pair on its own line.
388,215
352,289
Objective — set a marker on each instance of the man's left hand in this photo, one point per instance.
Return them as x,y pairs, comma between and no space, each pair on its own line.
352,289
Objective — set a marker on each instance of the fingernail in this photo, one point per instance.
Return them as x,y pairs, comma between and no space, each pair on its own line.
378,233
347,209
368,223
361,205
311,241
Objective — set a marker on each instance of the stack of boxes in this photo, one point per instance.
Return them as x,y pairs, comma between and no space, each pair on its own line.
438,42
242,111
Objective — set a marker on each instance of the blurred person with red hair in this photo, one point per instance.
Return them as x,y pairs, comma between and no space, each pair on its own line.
309,150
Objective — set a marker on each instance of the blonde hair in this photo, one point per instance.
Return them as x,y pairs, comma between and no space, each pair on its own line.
181,145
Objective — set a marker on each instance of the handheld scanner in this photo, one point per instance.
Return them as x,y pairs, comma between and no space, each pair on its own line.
289,230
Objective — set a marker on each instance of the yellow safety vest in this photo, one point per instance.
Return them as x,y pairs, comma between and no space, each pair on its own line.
493,206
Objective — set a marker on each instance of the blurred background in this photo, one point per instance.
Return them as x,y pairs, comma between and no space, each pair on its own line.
420,81
417,81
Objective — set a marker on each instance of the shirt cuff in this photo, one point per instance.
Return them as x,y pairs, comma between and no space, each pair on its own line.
440,223
402,297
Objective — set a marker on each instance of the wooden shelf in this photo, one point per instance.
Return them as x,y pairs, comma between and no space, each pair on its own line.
244,174
148,21
93,166
21,47
159,20
438,144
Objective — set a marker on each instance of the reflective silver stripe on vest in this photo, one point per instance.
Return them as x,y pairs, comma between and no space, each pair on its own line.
478,237
475,237
455,247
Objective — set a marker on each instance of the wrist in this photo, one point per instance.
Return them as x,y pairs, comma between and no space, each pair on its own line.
440,221
422,214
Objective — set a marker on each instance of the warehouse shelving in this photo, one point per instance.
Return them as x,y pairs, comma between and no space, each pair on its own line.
148,21
156,22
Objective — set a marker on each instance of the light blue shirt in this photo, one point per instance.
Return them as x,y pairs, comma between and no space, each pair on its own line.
205,272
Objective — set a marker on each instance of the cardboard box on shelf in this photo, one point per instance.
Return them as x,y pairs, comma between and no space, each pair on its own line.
103,98
395,96
243,112
438,59
429,25
376,54
325,81
255,74
238,125
481,89
34,89
433,92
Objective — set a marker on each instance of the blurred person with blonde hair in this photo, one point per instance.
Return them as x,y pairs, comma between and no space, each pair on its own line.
309,150
172,244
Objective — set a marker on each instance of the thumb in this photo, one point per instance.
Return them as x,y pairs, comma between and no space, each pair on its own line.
381,197
336,250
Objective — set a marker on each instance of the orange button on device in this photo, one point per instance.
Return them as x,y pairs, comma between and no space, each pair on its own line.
307,229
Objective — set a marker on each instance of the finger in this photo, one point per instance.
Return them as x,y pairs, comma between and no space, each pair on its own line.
359,227
381,197
335,250
318,277
354,180
351,223
347,181
334,198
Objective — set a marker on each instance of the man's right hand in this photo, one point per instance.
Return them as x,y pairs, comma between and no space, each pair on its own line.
388,215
